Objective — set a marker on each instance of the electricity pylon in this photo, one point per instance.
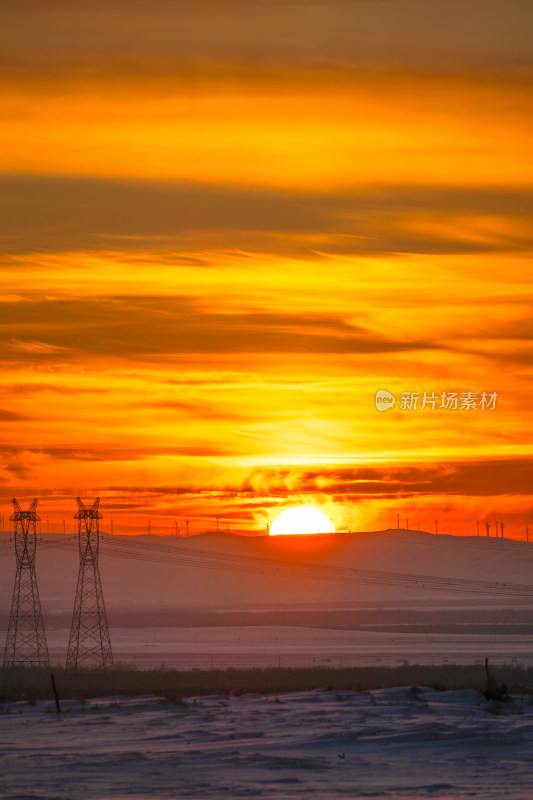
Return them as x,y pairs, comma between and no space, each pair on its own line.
89,644
26,638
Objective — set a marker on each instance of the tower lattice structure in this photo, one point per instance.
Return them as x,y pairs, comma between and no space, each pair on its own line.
89,643
26,638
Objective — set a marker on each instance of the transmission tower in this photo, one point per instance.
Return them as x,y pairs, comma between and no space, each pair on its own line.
26,637
89,644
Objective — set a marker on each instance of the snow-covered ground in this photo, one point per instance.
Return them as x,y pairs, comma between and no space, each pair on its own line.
394,743
285,646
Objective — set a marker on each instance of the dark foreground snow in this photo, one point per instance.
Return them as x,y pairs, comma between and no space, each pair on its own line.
393,743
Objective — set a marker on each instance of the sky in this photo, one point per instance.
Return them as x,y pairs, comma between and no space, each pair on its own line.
224,226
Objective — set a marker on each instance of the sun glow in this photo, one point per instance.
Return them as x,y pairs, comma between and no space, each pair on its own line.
301,519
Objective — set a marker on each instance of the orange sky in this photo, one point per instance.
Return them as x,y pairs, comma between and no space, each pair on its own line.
224,227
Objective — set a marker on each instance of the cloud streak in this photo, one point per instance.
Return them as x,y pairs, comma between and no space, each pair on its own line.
53,214
364,31
141,326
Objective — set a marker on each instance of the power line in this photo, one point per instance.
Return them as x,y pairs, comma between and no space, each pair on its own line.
216,560
162,553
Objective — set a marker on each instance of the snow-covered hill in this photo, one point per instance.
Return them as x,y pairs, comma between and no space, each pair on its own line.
142,584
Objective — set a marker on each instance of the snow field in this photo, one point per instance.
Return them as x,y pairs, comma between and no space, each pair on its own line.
393,743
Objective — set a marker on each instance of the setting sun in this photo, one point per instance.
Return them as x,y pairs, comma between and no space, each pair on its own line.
301,519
